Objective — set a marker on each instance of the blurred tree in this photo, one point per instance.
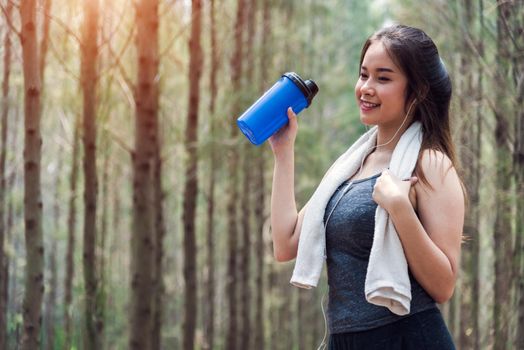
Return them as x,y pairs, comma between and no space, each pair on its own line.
260,189
517,24
233,175
210,286
102,238
158,271
191,179
34,288
246,198
51,291
145,158
71,238
93,334
470,156
4,262
474,192
502,233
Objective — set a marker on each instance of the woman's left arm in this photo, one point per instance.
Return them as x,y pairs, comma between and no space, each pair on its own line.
431,240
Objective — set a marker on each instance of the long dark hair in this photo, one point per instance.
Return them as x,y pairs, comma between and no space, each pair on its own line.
417,56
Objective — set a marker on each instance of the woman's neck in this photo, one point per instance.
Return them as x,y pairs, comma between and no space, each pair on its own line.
388,137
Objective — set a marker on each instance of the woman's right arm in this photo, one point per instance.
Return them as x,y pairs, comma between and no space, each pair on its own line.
285,221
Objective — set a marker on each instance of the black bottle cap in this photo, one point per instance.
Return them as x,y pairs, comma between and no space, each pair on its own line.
308,87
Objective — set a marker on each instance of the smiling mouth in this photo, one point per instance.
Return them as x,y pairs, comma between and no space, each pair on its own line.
368,105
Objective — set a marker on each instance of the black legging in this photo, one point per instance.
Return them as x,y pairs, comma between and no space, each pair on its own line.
425,330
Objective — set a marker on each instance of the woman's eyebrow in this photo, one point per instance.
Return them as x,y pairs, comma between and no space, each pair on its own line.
380,69
385,69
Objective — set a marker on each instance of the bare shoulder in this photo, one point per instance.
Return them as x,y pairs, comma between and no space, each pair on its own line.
439,171
441,204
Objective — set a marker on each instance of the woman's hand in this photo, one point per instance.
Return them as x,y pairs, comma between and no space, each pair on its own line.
284,139
391,191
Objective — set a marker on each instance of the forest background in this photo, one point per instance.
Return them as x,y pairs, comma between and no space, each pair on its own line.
133,214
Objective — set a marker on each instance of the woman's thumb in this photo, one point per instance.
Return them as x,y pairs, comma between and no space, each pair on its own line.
291,116
290,113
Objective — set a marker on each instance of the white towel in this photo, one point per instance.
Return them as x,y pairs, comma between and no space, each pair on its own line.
387,280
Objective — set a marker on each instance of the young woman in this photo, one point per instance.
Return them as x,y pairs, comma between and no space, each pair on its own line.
402,80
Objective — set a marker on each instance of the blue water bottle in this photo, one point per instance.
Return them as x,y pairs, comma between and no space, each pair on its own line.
269,113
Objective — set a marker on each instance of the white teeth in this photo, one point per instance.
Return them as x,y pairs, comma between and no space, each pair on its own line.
369,104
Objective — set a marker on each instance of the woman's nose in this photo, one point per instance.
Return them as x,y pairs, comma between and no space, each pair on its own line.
367,88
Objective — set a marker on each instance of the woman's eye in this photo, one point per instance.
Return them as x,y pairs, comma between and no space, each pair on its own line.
363,75
384,79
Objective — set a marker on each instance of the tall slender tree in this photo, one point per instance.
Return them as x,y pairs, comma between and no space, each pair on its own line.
518,160
102,238
89,81
71,237
209,307
246,197
474,192
144,160
4,271
502,234
519,171
51,293
470,156
160,231
259,324
34,287
191,179
232,278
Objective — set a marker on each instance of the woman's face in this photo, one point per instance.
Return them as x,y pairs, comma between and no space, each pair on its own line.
380,89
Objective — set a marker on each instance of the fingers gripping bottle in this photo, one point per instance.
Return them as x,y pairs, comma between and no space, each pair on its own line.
269,113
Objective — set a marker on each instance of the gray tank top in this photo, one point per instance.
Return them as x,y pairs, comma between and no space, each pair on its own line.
349,236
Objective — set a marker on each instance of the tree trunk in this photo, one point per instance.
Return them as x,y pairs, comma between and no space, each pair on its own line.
502,234
209,307
51,299
71,239
89,78
245,253
285,325
50,303
474,195
116,246
159,254
247,154
301,318
519,165
102,261
34,286
231,287
51,293
519,171
144,160
4,263
260,190
191,179
470,157
273,307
